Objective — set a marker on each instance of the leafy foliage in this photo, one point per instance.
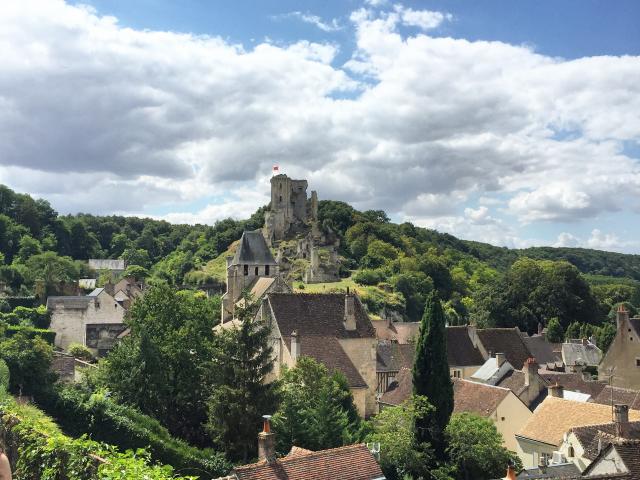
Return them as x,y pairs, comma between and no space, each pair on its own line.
555,334
475,448
28,360
316,409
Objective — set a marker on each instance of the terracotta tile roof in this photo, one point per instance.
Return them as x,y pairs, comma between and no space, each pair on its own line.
590,436
477,397
554,416
507,341
460,349
353,462
620,395
317,314
400,389
401,332
514,381
573,381
328,351
391,357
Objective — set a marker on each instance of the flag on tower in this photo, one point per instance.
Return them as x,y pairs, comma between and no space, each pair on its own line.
276,169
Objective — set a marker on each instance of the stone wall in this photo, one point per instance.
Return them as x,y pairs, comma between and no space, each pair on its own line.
362,353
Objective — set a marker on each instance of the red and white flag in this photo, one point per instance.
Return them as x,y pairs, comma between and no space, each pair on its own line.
276,168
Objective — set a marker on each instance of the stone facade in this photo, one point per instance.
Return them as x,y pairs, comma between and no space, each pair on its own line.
73,316
290,209
623,357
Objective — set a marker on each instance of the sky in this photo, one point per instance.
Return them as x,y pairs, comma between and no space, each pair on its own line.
513,123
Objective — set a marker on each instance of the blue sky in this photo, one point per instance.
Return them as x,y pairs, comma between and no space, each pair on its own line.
508,122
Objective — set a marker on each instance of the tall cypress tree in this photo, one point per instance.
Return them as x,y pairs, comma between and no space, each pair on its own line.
431,376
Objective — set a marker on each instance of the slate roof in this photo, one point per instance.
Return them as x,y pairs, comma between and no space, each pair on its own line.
507,341
477,397
253,250
588,436
490,372
554,416
460,349
329,352
401,332
624,396
565,470
319,314
392,357
543,351
629,453
107,264
577,353
69,301
635,324
573,382
353,462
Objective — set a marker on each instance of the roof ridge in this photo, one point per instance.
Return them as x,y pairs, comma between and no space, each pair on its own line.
293,458
480,383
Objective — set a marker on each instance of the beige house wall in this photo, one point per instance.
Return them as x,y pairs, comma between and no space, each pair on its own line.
509,418
578,458
70,323
362,353
621,356
529,451
465,372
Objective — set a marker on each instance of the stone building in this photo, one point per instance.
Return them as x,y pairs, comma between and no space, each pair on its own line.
94,320
622,360
332,328
252,270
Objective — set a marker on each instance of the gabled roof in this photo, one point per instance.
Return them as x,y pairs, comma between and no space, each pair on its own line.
544,351
319,314
564,471
400,389
329,352
624,396
573,381
477,397
460,349
554,416
490,372
253,250
629,453
392,357
353,462
507,341
576,352
79,302
590,436
95,292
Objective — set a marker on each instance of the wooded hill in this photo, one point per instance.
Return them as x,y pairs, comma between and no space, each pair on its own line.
393,266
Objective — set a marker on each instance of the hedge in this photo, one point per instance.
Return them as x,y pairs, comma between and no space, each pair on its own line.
38,450
29,302
104,420
47,335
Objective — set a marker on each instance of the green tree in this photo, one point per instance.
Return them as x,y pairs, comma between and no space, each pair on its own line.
573,331
136,271
240,396
52,270
29,361
316,409
604,335
401,451
554,331
431,376
29,247
162,367
475,448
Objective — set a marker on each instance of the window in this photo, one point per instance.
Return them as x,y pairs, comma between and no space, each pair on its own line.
281,198
637,362
570,452
246,269
546,457
266,270
457,374
256,274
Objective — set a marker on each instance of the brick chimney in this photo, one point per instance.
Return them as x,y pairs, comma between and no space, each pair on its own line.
295,346
622,317
267,442
500,358
556,390
621,419
349,311
530,371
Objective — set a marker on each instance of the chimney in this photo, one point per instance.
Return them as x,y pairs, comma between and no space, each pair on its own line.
500,359
621,419
511,473
556,390
622,316
267,442
295,346
530,371
349,311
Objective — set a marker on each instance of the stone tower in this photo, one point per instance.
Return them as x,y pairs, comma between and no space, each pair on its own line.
253,260
290,210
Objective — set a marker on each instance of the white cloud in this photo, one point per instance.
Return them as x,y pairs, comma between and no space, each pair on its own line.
424,19
99,117
566,239
332,26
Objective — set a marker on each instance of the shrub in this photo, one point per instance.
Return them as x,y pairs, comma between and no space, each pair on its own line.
4,376
35,317
30,332
368,277
80,351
